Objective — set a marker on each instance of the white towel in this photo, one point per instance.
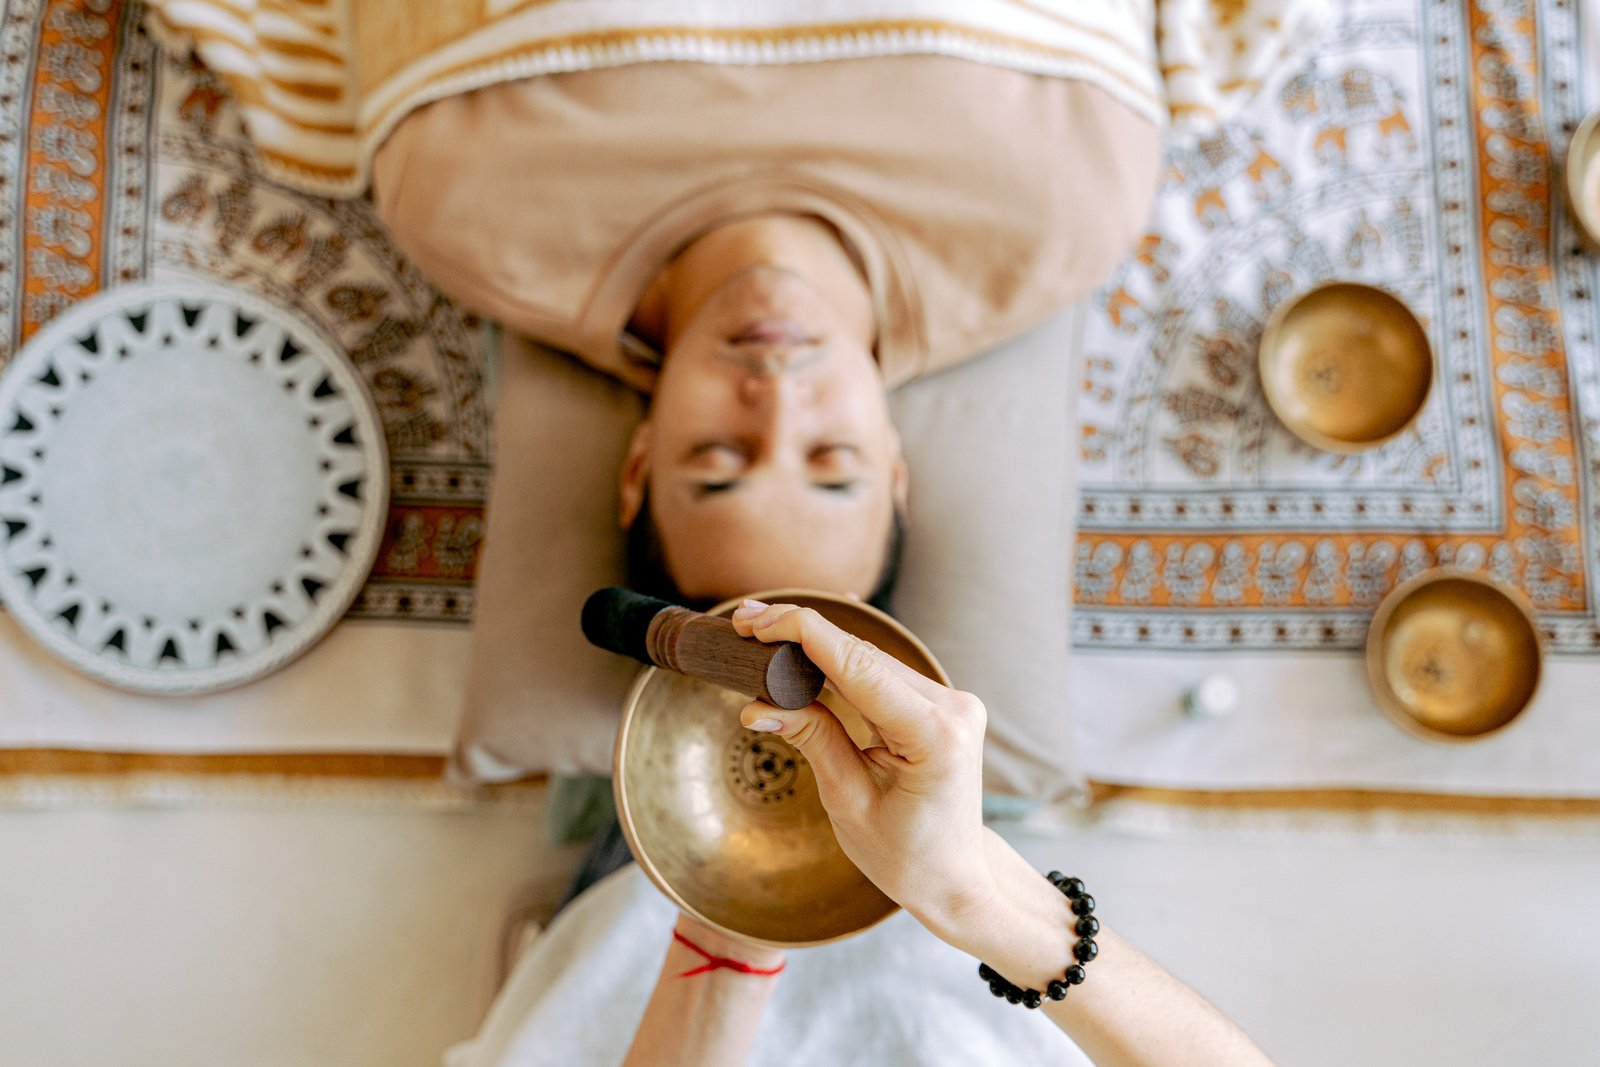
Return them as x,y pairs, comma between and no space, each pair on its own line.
892,995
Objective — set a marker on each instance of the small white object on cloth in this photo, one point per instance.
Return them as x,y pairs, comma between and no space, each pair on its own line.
892,995
1213,696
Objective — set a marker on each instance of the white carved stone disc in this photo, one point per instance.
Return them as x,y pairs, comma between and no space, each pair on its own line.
193,485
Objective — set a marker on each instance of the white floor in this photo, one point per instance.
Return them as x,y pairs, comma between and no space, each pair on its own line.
1337,952
319,937
270,938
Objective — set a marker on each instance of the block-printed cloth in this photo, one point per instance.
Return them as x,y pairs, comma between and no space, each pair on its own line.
120,163
1420,149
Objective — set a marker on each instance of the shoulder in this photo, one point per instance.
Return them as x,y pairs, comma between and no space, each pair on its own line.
1028,202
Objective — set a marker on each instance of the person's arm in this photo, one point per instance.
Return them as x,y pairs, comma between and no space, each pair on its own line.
707,1004
1128,1010
910,815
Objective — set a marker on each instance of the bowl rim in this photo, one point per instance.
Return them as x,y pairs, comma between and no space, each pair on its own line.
1588,130
1269,345
1377,682
619,790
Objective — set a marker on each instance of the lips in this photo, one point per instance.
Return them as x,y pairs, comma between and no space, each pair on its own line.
773,332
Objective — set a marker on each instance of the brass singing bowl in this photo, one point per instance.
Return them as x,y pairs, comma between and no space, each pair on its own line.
1452,655
1583,177
1345,366
726,822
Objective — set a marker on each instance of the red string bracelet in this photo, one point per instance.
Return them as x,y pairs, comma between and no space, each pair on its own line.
713,963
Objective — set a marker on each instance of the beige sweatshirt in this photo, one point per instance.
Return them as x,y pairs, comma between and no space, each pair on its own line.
978,199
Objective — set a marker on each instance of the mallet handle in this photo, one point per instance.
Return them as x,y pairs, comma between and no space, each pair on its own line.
703,646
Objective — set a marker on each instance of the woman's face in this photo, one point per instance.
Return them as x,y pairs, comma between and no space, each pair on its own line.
769,455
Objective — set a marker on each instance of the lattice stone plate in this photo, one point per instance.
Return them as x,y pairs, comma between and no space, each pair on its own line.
193,485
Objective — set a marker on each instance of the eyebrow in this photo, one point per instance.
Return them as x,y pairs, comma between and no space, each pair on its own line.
840,446
703,447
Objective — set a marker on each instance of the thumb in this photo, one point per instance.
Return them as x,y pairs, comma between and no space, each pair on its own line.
836,761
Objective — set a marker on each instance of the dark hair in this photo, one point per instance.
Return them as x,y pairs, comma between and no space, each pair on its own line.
647,562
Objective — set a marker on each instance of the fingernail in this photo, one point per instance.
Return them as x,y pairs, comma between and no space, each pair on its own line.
766,726
748,608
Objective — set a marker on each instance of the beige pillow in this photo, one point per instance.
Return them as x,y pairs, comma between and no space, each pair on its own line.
985,578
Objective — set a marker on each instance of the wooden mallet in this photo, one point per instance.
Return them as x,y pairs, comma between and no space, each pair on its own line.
662,634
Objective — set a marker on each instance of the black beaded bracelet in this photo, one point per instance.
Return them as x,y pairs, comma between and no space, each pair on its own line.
1083,950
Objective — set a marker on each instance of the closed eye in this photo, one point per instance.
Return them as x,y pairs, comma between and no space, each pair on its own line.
705,489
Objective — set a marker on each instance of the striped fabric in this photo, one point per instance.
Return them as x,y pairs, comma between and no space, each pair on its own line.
323,81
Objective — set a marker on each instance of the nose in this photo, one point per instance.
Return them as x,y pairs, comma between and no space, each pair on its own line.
776,407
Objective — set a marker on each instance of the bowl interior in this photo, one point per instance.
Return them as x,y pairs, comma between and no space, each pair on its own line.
1454,655
726,821
1346,366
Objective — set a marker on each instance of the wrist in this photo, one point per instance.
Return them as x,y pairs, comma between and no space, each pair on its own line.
1021,925
955,915
718,943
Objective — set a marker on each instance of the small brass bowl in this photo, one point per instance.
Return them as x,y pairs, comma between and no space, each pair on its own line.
726,822
1583,177
1345,366
1452,655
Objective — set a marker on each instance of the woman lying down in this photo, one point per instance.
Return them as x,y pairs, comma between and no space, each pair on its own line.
766,250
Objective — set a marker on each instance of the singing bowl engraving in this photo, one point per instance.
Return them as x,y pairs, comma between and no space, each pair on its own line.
1345,366
762,769
1583,177
1453,655
726,821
